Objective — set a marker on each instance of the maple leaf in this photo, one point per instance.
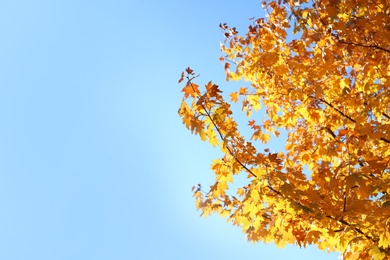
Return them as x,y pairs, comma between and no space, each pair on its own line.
191,90
212,89
189,70
234,96
243,91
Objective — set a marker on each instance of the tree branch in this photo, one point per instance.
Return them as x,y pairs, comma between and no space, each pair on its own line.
350,225
223,138
363,45
336,109
227,147
385,115
385,140
351,119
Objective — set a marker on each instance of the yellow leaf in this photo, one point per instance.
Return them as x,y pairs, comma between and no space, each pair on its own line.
254,101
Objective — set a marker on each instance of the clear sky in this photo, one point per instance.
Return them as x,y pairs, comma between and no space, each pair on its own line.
94,160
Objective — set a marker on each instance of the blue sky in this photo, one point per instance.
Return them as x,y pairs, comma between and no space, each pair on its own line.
94,160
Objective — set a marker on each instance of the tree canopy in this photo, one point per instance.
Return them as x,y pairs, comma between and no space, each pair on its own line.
320,72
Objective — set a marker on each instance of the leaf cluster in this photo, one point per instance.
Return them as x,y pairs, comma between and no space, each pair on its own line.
328,86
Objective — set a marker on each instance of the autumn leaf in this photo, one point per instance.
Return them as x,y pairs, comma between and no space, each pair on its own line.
243,91
234,97
212,89
191,90
182,77
189,71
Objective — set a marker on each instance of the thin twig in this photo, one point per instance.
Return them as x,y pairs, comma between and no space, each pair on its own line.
223,139
336,109
365,46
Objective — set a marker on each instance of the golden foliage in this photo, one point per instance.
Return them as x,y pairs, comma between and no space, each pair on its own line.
328,88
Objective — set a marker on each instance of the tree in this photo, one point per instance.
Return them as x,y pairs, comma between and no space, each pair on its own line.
327,87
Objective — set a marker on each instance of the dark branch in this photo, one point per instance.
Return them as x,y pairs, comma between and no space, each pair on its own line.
365,46
336,109
223,139
386,115
385,140
350,225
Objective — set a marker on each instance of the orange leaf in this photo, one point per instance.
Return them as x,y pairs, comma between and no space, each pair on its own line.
234,96
182,77
191,90
189,71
